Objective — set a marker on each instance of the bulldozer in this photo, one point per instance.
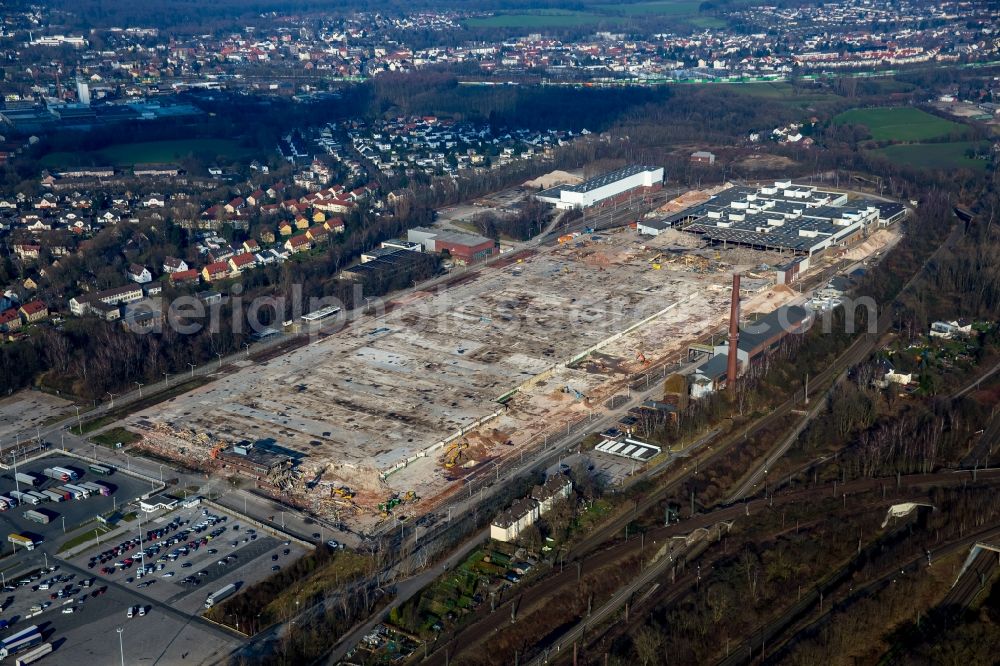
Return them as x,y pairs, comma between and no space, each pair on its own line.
343,491
216,450
639,356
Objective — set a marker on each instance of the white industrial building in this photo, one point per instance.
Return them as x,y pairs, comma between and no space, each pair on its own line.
602,188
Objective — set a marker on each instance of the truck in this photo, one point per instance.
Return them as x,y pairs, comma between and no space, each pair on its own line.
94,488
30,479
17,496
73,476
23,541
34,655
57,474
21,641
30,499
67,495
11,502
78,492
40,496
219,595
37,517
53,495
102,470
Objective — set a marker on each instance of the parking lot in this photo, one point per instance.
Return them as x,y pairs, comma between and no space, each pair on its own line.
125,489
88,632
169,630
188,565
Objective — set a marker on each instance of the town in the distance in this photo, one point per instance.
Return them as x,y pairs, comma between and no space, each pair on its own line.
491,333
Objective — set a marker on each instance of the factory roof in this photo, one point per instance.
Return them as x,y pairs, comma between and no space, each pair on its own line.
598,181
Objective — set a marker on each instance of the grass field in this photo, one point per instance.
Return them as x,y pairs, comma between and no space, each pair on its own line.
783,93
548,19
899,124
658,7
934,155
149,152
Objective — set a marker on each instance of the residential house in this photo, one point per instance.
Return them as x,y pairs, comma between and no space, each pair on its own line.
218,270
519,517
318,234
33,311
174,265
139,274
27,251
298,244
285,228
10,321
256,198
191,276
235,205
251,246
301,223
242,262
334,225
267,236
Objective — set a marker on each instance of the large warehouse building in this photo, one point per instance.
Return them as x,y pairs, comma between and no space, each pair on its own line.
604,188
784,216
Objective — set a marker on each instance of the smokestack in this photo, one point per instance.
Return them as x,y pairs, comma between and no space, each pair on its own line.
734,334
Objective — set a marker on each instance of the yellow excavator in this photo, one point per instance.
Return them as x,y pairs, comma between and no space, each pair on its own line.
454,453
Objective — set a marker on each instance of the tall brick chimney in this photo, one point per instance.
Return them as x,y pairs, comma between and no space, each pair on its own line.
734,335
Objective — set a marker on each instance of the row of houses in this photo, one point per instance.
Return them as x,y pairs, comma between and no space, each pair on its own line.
509,525
14,318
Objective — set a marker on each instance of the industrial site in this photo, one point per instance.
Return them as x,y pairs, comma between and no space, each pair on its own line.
439,383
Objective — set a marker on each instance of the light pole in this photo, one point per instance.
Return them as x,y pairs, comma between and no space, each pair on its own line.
79,426
192,369
166,380
161,474
219,354
121,645
247,346
112,399
140,389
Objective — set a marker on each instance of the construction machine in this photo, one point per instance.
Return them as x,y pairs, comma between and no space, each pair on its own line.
639,356
576,394
454,453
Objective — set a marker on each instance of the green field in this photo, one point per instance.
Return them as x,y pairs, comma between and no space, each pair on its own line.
658,7
603,13
899,124
548,19
150,152
934,155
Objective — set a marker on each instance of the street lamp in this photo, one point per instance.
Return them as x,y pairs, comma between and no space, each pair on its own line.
79,426
247,347
192,369
112,399
140,389
121,645
161,474
166,380
219,354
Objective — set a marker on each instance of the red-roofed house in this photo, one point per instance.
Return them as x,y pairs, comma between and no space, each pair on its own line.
242,262
334,225
34,311
217,271
318,234
185,277
10,320
298,244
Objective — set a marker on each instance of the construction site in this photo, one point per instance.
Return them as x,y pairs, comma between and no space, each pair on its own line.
397,407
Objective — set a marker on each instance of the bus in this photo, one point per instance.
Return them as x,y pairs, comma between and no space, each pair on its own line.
102,470
321,314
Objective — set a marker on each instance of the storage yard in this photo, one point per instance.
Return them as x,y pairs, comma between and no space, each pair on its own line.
413,399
